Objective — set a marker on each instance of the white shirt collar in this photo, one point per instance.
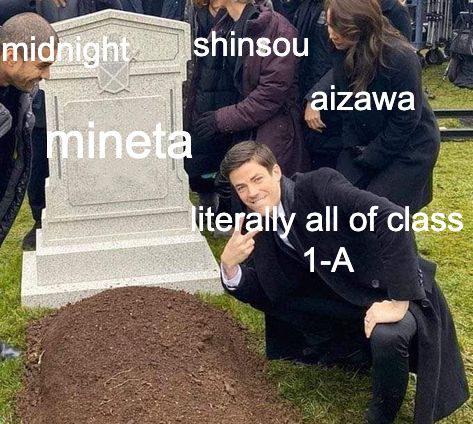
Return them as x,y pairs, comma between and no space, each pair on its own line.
281,211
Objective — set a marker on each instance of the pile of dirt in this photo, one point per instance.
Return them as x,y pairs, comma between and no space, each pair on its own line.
145,355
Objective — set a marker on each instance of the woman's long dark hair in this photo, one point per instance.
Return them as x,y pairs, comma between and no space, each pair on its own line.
362,22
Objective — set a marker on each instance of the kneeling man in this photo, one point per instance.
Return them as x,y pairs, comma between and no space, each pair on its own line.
380,305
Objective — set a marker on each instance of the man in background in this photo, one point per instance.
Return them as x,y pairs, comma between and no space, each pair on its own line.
19,78
54,11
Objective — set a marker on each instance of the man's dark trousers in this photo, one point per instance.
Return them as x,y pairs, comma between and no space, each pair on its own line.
332,329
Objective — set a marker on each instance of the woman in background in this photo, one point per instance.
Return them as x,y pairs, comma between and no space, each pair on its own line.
324,142
391,153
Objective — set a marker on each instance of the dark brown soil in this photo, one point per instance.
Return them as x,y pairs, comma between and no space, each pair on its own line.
145,355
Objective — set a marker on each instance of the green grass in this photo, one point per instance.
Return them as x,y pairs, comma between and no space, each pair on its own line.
325,396
443,94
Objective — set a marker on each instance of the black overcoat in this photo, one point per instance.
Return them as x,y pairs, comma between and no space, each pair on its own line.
15,160
400,147
211,88
310,21
386,266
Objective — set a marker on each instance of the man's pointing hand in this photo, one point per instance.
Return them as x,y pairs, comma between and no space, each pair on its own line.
239,247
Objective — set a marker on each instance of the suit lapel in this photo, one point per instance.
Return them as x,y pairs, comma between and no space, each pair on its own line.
287,200
286,249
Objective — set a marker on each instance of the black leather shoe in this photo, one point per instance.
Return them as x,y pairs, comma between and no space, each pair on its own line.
8,352
29,242
309,356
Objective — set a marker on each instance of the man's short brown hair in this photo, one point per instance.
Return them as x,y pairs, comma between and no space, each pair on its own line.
20,30
244,152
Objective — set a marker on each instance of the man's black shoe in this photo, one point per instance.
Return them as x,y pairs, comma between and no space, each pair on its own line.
29,242
310,356
8,352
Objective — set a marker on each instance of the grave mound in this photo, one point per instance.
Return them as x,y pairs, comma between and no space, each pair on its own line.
145,355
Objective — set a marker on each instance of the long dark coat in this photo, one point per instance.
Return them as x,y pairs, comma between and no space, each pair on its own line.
211,88
310,21
400,148
15,161
268,88
386,266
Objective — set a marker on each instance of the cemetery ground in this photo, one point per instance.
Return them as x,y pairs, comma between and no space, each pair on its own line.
325,396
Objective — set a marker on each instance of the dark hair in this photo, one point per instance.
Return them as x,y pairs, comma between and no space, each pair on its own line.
244,152
363,23
22,27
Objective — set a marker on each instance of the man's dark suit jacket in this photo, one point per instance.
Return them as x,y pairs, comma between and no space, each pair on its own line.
386,266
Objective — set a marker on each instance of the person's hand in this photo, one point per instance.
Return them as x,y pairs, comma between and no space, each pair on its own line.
59,3
237,250
388,311
312,118
206,126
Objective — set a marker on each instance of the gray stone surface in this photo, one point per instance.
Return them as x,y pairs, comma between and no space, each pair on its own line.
116,222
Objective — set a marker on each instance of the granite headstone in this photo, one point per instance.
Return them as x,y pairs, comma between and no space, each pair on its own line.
114,222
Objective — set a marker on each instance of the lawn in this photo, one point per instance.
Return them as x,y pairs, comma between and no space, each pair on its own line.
325,396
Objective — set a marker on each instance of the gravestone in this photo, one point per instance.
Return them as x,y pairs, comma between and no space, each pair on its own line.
117,222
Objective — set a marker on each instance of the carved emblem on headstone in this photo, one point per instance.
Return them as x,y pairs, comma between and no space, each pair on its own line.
114,77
